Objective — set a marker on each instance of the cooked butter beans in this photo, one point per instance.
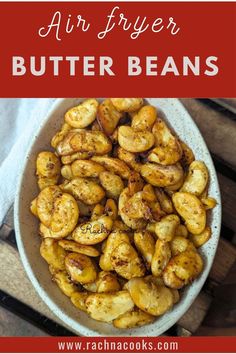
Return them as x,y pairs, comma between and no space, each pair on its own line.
122,210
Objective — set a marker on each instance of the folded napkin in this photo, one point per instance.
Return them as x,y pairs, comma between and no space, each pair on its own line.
19,118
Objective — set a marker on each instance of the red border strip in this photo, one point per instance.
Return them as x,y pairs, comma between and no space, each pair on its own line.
133,345
206,30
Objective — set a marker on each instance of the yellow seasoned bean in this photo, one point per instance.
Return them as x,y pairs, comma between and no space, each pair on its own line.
111,209
106,307
64,282
149,193
127,104
161,257
202,238
44,182
188,265
134,141
66,172
133,318
47,164
114,165
68,159
108,116
182,231
192,211
83,114
170,278
97,212
188,155
131,159
72,246
164,200
166,228
161,176
78,299
137,208
93,232
196,179
112,184
85,190
135,183
46,232
57,211
183,269
145,244
149,297
53,254
33,207
209,202
80,140
144,119
106,282
80,268
86,168
113,240
179,244
130,222
126,262
168,150
60,135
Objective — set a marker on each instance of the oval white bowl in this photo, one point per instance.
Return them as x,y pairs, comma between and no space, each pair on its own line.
28,241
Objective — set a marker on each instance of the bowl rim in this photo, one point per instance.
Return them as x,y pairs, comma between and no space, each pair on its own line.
70,322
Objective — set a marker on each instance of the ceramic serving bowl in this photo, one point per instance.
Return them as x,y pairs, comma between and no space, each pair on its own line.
28,240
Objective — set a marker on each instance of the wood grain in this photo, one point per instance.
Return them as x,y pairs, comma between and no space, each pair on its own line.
14,326
218,131
196,313
224,260
228,196
15,282
228,103
211,331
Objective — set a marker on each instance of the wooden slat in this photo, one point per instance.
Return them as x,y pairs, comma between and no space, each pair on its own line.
182,332
14,281
221,266
218,131
228,103
223,309
231,276
224,260
228,195
195,315
12,325
211,331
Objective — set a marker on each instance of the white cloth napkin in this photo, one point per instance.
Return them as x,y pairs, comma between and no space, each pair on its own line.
18,120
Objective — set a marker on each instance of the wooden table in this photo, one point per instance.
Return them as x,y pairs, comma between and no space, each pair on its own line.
214,310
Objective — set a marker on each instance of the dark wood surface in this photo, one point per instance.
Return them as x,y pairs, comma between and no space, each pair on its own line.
214,310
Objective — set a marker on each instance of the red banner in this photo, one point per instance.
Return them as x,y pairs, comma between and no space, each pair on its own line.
118,49
118,345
